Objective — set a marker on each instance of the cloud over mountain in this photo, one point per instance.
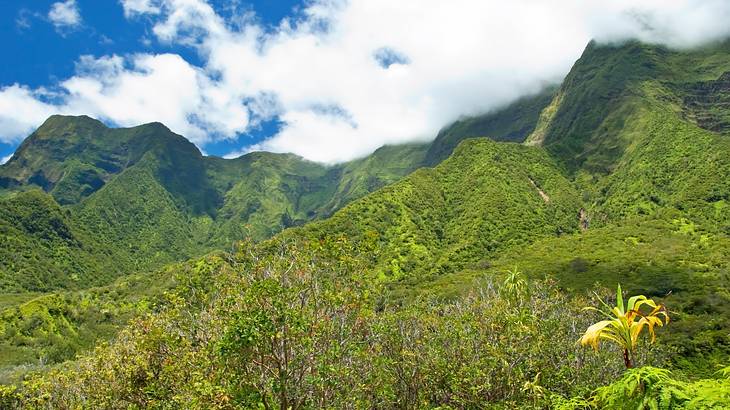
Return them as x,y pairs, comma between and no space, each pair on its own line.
348,77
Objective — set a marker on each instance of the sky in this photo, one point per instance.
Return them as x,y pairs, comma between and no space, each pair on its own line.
329,80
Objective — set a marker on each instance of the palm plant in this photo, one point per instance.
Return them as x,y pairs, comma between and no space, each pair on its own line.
515,285
624,324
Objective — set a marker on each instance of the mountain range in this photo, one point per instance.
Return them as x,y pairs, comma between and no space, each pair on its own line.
152,192
619,174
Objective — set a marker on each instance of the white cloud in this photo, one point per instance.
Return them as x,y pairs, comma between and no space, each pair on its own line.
151,88
676,23
137,7
65,15
21,111
5,159
323,74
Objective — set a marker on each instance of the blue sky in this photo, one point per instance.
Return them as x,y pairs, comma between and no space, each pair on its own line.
329,80
39,55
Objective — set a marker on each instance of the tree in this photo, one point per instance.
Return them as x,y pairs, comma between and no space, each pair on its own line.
623,325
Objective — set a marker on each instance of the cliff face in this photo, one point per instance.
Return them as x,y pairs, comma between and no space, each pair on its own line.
708,103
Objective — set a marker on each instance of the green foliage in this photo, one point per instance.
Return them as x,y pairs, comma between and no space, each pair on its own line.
647,256
156,204
46,329
40,244
481,201
631,126
303,325
399,299
654,388
643,388
137,221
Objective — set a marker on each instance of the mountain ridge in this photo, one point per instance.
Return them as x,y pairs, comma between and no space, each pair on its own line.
124,184
207,202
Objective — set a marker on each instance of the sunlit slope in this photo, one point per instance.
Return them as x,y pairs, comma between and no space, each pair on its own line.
484,199
644,128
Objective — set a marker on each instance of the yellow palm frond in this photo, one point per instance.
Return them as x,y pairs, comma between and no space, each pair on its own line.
593,334
624,324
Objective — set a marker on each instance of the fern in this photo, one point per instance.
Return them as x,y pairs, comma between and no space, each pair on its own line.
652,388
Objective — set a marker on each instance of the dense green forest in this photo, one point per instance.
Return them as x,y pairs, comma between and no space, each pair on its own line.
444,275
136,199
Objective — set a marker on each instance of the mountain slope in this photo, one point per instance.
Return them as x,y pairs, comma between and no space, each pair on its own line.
487,197
640,158
43,248
72,157
151,198
143,196
641,129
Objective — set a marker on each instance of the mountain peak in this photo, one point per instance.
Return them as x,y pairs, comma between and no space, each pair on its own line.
57,122
155,125
73,156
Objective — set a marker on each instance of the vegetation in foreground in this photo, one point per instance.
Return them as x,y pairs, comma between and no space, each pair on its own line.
41,330
303,325
623,324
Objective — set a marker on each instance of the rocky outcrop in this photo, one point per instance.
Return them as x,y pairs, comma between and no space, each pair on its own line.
708,103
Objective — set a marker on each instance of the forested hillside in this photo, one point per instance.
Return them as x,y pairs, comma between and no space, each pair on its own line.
135,199
486,198
138,198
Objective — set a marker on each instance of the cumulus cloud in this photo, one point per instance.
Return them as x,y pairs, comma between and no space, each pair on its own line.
5,159
146,88
65,15
347,77
21,110
138,7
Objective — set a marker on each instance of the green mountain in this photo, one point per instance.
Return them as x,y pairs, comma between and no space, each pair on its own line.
639,131
145,209
142,197
487,197
138,198
634,157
